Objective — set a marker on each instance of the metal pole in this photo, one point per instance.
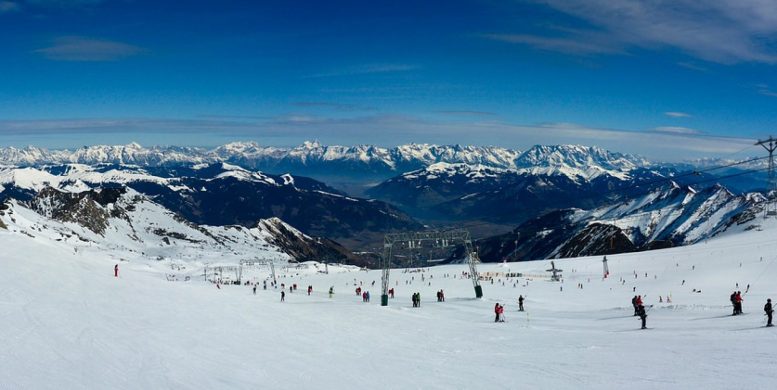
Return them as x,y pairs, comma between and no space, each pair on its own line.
387,246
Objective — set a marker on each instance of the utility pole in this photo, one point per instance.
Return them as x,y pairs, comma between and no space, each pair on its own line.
770,145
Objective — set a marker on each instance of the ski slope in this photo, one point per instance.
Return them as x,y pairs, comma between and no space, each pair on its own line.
67,323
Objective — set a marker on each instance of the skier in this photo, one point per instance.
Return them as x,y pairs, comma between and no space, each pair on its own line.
391,293
733,299
769,312
501,313
739,302
418,298
264,285
442,296
496,312
283,295
331,291
310,289
634,305
642,315
254,289
116,271
520,303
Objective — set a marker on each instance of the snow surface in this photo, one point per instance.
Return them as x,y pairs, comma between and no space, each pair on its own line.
68,323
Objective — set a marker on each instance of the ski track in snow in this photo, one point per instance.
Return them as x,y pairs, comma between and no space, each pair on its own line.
68,323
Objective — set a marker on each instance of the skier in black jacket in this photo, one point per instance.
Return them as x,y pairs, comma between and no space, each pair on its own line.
769,311
642,315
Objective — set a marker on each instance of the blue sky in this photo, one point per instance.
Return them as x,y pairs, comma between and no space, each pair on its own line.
666,79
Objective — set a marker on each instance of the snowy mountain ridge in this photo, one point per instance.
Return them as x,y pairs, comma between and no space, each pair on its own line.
670,215
128,224
314,156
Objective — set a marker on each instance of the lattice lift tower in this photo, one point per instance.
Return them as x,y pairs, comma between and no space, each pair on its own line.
438,239
770,145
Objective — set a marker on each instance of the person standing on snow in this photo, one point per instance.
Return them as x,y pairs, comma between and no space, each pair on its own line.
733,299
283,295
769,312
520,303
116,271
642,315
496,312
634,305
254,289
501,313
738,300
331,291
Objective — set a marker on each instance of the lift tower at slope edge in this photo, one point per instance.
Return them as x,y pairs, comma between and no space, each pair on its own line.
770,145
440,239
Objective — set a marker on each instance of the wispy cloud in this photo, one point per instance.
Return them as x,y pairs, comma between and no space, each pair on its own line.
466,113
722,31
332,106
8,6
76,48
693,66
676,130
568,45
677,114
765,90
62,3
366,70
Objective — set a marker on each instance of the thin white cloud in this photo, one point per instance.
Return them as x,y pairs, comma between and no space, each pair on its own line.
722,31
765,90
677,114
676,130
592,45
8,6
366,70
76,48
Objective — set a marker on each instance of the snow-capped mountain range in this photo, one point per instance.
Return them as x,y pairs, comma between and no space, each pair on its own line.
465,192
312,158
218,194
670,215
125,222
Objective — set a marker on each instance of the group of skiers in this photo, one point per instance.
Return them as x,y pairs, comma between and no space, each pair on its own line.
440,296
416,299
366,297
736,301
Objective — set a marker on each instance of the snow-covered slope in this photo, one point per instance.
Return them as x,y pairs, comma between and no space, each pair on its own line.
69,323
